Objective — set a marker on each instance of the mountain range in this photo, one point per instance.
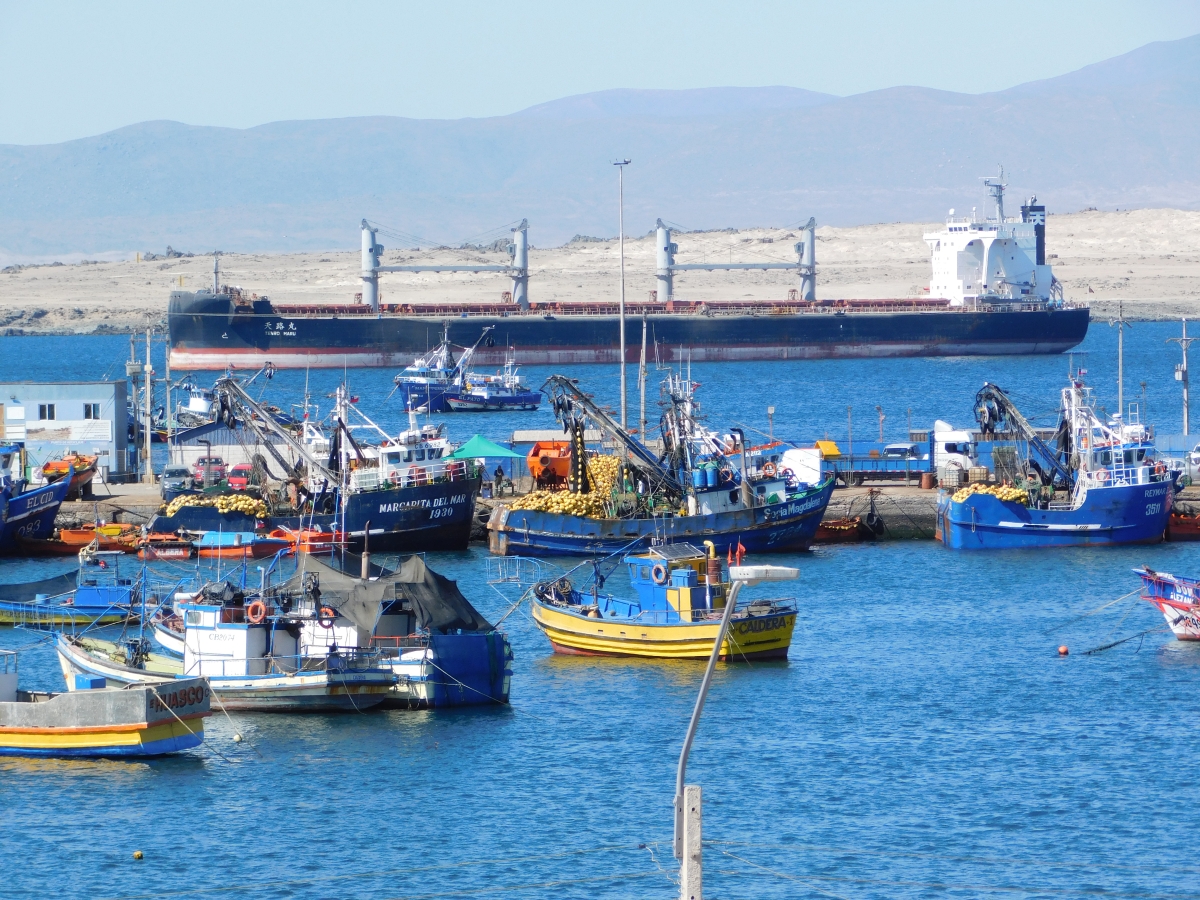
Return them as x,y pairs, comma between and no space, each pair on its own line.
1122,133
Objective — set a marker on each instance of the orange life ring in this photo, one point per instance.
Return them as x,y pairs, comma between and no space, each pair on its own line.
1102,475
769,470
659,573
1160,468
325,616
256,612
726,476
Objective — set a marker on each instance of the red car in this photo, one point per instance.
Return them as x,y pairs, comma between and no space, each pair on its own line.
209,469
239,476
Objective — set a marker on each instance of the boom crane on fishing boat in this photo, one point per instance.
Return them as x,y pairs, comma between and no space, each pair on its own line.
232,394
995,411
566,398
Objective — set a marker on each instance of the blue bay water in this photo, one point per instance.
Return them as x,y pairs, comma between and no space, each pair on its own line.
923,739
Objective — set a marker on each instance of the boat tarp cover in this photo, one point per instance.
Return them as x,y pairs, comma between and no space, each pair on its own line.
439,604
26,591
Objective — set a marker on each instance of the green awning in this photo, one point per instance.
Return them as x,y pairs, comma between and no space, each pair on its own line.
480,447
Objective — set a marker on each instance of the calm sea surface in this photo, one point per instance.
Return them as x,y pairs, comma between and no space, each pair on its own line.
923,740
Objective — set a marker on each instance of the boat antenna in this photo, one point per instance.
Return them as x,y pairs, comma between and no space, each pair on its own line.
996,189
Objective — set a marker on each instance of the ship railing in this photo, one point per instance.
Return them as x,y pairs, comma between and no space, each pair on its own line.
518,570
350,659
418,474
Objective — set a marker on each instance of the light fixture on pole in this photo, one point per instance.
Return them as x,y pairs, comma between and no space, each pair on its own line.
1181,371
688,834
621,164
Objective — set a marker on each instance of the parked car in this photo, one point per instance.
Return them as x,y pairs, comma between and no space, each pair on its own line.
175,479
210,469
239,476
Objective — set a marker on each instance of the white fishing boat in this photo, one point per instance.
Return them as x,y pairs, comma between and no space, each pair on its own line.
250,655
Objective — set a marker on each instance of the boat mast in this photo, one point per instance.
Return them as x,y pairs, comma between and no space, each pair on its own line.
1121,325
621,164
642,381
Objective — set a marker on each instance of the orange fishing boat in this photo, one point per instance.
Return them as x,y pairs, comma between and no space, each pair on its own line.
109,537
841,531
81,479
1183,527
45,547
310,540
160,545
238,545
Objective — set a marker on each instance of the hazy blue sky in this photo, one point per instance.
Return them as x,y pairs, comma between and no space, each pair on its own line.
73,69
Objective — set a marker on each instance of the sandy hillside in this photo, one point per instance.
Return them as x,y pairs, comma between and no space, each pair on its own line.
1150,259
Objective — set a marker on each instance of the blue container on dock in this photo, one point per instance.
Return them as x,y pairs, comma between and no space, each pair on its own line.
90,682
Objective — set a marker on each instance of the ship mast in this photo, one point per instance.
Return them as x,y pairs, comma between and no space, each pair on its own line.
621,164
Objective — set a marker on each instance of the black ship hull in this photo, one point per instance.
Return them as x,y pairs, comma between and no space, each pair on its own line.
413,519
207,331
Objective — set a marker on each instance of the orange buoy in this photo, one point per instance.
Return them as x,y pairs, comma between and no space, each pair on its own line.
1063,651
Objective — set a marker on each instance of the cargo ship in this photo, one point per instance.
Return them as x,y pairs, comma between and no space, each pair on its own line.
991,293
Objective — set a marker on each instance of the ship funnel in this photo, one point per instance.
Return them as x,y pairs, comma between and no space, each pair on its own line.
807,251
664,261
519,251
370,266
216,271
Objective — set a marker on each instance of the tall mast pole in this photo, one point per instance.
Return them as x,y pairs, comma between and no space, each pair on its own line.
1181,371
621,164
642,383
148,471
1121,360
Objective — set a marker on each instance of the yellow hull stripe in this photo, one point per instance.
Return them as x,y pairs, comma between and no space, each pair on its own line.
608,637
72,739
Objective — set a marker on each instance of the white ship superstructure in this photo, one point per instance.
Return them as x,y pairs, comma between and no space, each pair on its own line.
998,260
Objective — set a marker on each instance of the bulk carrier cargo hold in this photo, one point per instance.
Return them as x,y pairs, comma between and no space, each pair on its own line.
991,292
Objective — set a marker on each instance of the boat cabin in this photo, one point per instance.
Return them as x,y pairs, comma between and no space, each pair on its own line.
673,584
219,643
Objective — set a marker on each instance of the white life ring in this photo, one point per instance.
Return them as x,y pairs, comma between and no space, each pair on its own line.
659,573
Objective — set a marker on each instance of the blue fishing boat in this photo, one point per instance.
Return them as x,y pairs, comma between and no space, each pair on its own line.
26,512
1101,484
101,592
506,390
426,382
706,486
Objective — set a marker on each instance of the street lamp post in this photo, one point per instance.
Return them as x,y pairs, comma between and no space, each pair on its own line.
688,832
1181,371
621,164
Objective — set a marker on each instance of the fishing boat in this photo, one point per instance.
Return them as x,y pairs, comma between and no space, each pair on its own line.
443,652
1102,483
705,486
1177,598
94,720
101,592
26,513
310,540
78,469
249,652
1183,526
238,545
506,390
159,545
680,597
405,489
168,631
426,383
106,536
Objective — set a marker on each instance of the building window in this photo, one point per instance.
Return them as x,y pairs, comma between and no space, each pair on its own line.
45,411
91,410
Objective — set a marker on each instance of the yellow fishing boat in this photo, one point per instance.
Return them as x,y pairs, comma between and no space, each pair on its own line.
676,614
95,720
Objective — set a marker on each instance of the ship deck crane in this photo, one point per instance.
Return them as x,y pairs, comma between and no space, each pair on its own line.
566,398
995,411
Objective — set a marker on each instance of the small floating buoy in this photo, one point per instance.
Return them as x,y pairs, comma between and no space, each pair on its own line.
1063,651
137,854
237,738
